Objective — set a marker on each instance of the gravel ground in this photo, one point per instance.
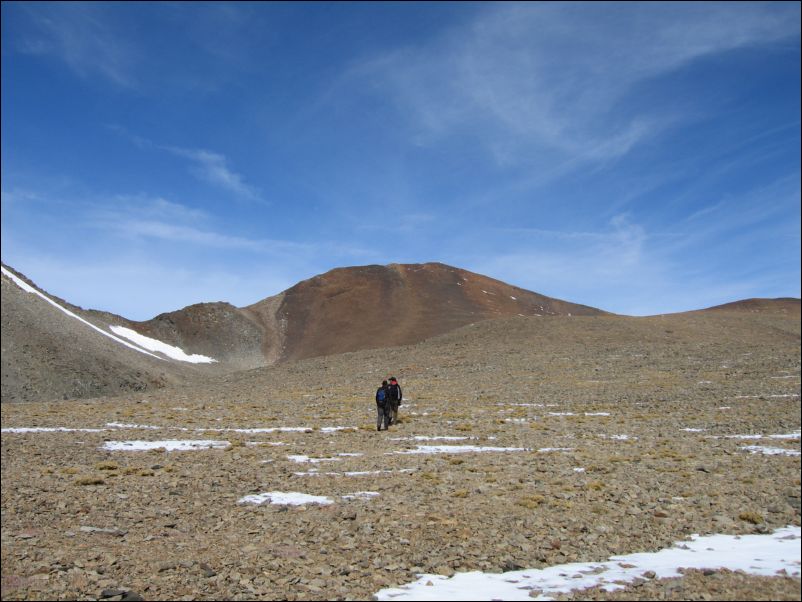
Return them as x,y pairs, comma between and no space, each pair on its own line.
611,435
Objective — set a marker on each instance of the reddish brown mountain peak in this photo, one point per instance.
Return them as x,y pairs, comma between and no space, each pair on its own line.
364,307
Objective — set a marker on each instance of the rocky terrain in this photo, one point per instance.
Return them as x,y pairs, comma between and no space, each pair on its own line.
50,355
593,436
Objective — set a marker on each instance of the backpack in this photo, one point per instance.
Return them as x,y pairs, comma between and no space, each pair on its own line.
380,395
392,391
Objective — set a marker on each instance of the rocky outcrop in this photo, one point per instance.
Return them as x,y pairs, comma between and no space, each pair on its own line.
219,330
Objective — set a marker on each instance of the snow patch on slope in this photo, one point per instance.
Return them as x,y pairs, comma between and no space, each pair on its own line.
156,345
138,342
29,289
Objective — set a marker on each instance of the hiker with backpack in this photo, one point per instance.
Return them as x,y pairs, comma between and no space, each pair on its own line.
382,407
394,396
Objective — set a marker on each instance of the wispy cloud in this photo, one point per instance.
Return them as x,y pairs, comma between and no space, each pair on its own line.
536,256
186,234
80,35
206,165
149,254
739,246
748,223
103,40
526,78
213,168
146,207
141,217
138,255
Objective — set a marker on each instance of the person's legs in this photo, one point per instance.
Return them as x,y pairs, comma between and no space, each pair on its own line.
379,416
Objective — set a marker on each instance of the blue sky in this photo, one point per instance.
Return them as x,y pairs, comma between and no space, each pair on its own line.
639,158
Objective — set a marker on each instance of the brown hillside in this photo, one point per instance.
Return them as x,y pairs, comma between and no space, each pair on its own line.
217,330
783,305
350,309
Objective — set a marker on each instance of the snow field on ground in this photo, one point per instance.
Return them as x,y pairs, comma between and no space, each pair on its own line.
765,555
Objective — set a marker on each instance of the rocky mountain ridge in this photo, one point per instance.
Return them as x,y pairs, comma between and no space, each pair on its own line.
48,354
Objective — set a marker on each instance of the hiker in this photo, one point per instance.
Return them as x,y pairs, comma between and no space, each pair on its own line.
382,407
394,396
